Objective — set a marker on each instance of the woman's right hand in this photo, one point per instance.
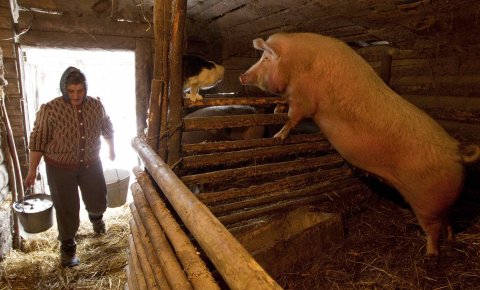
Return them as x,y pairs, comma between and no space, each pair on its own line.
30,179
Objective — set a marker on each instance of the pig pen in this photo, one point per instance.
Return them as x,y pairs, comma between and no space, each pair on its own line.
304,217
282,202
307,218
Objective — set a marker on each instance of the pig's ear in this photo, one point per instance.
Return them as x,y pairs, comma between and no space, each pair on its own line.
260,44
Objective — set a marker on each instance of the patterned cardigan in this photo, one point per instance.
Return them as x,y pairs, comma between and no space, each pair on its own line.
69,135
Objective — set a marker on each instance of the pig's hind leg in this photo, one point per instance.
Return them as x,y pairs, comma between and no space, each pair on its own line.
434,226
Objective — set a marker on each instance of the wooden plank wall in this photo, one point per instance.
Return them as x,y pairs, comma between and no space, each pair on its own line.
446,87
13,99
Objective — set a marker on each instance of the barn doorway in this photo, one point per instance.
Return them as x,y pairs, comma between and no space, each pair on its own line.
110,76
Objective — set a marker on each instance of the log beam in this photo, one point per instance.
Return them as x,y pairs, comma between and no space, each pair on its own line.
234,263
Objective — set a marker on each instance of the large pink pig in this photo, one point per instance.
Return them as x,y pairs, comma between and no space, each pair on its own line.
371,126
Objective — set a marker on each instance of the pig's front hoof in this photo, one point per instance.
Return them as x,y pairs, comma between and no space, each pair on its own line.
280,136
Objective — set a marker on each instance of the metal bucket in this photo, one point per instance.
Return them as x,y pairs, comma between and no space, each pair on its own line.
35,212
117,181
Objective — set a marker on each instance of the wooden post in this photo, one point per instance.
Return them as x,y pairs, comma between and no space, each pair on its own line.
167,19
143,75
158,81
175,81
234,263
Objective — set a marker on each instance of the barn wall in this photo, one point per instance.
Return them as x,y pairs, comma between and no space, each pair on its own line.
445,86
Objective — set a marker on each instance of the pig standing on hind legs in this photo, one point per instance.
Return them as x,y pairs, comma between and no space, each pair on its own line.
370,125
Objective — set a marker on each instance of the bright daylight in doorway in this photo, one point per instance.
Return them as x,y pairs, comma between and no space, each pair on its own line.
110,76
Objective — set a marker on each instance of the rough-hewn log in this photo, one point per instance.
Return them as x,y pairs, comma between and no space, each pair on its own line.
219,122
229,175
277,207
310,190
163,48
143,76
156,269
175,81
142,257
287,183
222,146
76,40
19,194
171,267
257,154
135,265
157,93
233,262
84,25
225,100
154,113
131,279
195,268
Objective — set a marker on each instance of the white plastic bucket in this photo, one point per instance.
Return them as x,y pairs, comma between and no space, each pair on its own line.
117,181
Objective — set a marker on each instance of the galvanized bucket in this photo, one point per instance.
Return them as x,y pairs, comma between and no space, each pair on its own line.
35,212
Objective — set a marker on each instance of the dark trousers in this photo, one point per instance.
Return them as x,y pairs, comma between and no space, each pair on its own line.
64,186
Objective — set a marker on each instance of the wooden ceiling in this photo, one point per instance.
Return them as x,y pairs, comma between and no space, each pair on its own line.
441,25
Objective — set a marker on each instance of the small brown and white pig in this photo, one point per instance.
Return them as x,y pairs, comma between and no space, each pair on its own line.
199,74
371,126
224,134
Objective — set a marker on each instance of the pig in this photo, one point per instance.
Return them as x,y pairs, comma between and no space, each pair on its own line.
371,126
224,134
199,74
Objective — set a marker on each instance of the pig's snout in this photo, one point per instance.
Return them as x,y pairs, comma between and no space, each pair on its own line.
245,79
242,79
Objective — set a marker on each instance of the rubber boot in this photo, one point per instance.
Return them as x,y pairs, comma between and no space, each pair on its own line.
97,223
68,251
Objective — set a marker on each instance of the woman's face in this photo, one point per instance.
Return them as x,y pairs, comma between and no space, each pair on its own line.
76,92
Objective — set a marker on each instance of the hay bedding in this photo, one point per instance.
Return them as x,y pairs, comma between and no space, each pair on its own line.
103,258
385,249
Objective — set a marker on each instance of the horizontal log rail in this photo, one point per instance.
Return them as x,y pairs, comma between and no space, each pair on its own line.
257,154
287,183
274,197
228,99
233,121
243,215
223,146
228,175
231,259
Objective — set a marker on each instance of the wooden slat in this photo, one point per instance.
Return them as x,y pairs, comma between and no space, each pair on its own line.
220,122
279,196
219,100
229,175
254,155
222,146
278,207
286,183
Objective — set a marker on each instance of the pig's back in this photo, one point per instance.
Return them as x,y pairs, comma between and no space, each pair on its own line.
369,124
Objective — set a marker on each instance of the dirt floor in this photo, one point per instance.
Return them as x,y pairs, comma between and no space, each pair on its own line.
385,249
